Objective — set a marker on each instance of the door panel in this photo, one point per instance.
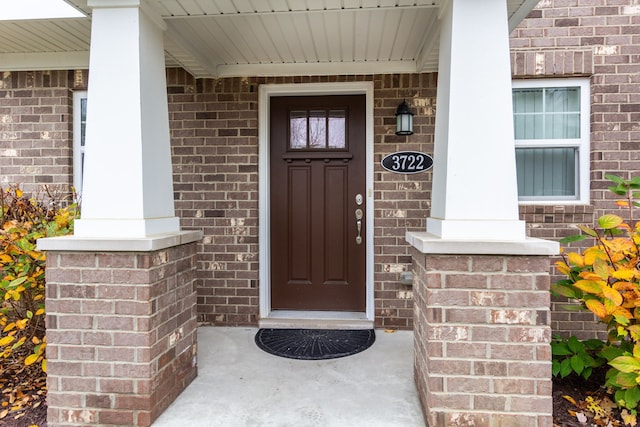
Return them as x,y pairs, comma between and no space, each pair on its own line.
317,161
336,227
299,212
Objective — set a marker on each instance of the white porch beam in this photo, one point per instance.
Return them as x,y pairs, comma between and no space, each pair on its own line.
128,188
44,61
474,193
248,7
319,69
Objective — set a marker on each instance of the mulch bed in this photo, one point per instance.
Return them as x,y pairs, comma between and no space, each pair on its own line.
580,402
22,395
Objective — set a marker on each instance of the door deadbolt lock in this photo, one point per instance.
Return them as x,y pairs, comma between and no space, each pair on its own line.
359,199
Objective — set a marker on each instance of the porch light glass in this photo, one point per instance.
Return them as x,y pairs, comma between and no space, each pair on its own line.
404,120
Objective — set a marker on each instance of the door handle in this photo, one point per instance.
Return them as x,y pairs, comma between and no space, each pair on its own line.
359,226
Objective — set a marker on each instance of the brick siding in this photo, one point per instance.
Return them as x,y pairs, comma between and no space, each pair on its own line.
215,162
122,338
36,128
215,154
481,346
599,39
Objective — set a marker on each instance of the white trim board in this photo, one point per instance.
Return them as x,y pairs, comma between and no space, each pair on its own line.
306,89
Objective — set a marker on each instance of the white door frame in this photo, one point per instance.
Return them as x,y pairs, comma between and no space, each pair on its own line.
267,91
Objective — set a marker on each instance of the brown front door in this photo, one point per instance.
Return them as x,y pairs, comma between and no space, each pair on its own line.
318,200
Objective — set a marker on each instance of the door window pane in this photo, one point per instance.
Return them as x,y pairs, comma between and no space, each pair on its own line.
316,129
298,129
337,129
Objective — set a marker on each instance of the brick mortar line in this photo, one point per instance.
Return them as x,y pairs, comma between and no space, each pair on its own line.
498,307
100,378
486,393
446,377
445,410
519,344
488,323
488,273
463,359
470,377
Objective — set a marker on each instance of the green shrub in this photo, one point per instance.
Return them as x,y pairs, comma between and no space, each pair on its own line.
572,356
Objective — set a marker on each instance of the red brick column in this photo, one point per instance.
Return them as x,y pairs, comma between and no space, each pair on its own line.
482,353
121,331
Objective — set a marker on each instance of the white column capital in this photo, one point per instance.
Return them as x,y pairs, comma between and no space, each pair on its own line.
94,4
122,4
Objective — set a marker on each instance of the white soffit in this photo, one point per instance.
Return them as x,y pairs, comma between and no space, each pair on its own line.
220,38
37,9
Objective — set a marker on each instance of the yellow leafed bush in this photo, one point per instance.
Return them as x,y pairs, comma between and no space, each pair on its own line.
605,279
23,220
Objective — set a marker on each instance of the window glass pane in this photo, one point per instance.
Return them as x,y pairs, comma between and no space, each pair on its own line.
551,149
547,113
527,100
317,129
528,113
546,172
83,120
298,129
337,125
562,126
562,99
528,126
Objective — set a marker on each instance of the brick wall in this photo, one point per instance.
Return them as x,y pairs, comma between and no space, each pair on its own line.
599,39
122,337
215,153
36,128
481,346
215,159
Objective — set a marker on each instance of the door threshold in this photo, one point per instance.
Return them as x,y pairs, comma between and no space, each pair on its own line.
293,319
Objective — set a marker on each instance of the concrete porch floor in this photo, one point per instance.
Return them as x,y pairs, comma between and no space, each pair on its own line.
240,385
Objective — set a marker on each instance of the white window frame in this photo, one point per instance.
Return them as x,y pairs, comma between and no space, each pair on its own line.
78,148
582,144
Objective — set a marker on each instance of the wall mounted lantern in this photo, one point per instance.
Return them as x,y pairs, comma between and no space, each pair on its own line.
404,119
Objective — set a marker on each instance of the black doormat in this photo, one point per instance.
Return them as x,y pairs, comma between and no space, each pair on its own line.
314,344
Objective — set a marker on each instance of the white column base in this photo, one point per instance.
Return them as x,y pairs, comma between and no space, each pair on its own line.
118,244
427,243
126,227
477,229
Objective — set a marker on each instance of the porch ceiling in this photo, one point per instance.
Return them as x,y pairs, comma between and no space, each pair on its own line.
219,38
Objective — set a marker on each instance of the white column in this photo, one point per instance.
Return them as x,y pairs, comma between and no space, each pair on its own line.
474,195
128,184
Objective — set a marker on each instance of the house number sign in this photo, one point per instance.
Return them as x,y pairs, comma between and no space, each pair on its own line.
407,162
